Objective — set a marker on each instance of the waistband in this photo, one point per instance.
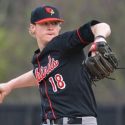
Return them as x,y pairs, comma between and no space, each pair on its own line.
88,120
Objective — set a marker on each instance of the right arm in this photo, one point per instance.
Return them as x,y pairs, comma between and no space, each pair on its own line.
81,37
25,80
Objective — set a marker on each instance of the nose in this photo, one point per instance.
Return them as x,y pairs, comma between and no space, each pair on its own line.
50,27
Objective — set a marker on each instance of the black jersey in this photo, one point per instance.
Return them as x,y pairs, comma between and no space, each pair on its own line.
64,85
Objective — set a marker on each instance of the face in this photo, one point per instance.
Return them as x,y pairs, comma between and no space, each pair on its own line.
45,32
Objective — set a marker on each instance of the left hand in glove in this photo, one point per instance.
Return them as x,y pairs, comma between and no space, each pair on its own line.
101,61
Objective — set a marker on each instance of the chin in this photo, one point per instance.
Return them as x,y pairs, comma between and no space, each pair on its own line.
50,38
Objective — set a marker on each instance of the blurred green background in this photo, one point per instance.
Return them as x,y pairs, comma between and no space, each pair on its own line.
17,46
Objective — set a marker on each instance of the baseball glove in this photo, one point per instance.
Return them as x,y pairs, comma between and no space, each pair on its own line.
103,63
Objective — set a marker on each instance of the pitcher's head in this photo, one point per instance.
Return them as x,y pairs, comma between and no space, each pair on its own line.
45,23
44,14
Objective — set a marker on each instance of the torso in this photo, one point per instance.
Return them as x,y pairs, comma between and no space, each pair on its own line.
64,84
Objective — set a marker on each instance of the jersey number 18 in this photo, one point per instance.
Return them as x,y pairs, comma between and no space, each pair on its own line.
57,82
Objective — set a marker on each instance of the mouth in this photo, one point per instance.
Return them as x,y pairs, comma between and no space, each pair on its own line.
50,34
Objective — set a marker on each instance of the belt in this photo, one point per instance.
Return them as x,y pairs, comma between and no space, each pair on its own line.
74,120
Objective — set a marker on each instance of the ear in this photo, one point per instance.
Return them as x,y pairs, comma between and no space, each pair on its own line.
32,29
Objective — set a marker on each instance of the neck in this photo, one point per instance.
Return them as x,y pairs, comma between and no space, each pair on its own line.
41,45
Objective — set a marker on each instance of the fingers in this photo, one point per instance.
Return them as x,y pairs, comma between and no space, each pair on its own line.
2,92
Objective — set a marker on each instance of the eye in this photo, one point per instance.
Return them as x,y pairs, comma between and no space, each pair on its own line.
46,23
55,23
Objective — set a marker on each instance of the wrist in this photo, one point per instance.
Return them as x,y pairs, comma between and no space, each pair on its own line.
6,88
100,38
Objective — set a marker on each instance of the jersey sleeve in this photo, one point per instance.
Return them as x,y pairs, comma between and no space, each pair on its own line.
77,38
85,34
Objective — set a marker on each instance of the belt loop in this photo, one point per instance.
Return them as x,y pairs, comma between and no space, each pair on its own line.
82,120
65,120
48,122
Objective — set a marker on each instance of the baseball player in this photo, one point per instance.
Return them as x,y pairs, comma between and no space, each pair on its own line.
64,83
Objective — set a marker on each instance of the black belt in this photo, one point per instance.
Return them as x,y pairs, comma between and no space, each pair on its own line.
66,120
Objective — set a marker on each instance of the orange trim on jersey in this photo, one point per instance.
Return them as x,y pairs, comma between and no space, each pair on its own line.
81,39
38,69
50,104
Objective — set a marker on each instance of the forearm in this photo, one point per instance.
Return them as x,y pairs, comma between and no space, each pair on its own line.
89,31
101,29
25,80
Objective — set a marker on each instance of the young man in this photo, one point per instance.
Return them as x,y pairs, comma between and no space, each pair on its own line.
64,83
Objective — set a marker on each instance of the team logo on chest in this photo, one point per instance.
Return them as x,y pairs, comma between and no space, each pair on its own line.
42,71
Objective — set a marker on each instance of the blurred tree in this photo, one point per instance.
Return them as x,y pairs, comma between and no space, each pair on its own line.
17,47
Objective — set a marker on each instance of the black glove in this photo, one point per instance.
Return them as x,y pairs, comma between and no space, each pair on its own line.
103,63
